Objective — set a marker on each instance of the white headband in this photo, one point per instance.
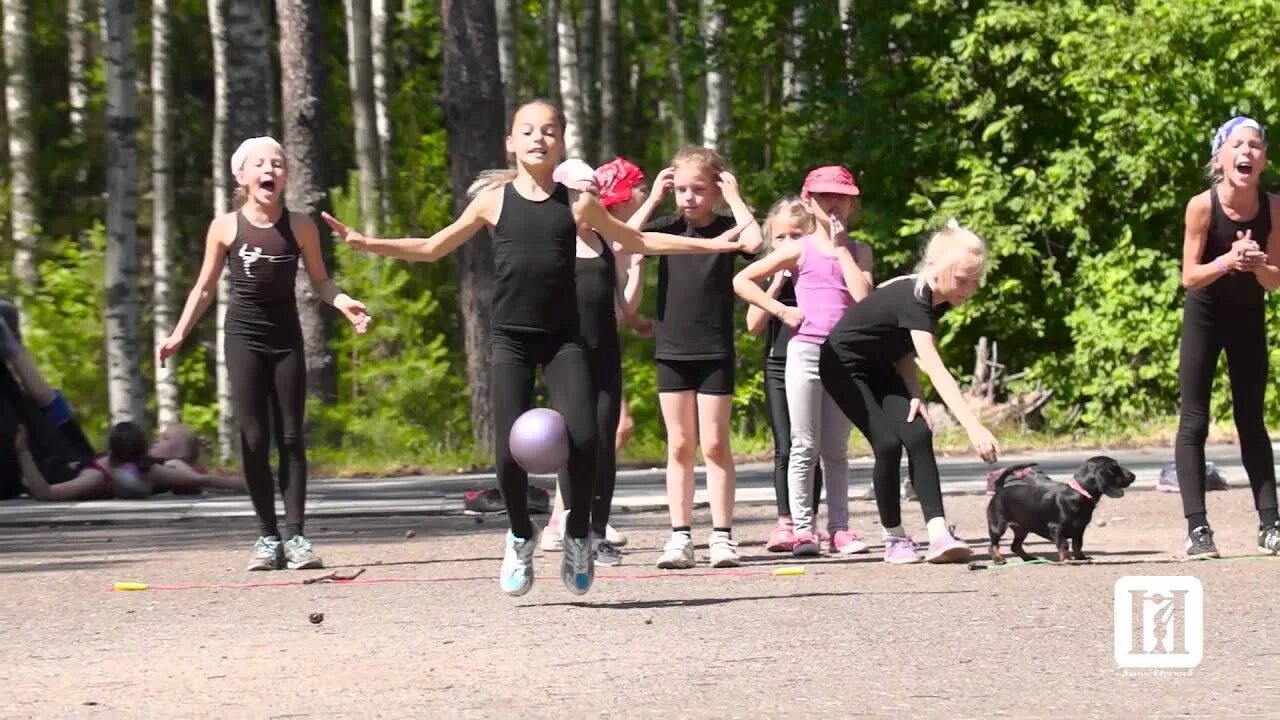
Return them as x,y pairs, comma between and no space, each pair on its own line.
242,152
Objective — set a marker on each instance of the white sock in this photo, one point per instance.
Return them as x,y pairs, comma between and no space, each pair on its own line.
895,531
937,528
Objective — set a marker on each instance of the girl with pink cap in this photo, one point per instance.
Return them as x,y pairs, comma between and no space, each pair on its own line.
829,276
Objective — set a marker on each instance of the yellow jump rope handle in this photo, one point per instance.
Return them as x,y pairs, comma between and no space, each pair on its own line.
126,586
791,570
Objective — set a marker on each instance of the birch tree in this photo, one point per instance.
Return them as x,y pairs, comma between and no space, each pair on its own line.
162,224
360,73
610,70
507,12
22,142
221,156
380,20
570,86
719,94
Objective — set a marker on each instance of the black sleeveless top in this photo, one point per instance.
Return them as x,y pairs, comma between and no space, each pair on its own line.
534,244
597,287
778,333
263,263
1234,288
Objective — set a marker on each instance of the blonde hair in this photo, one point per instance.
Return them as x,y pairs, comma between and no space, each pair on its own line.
951,246
498,177
787,207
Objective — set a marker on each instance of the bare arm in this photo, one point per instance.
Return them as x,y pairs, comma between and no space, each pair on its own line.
758,317
176,474
588,208
88,485
1194,274
308,237
856,279
865,258
1268,273
930,361
661,185
911,376
218,238
752,239
747,282
482,212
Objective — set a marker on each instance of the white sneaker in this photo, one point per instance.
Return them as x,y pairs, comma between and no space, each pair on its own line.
516,576
607,553
677,554
553,536
578,569
724,550
614,537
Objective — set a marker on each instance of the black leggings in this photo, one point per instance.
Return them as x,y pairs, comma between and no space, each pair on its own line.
263,381
569,387
877,402
606,375
1242,333
775,403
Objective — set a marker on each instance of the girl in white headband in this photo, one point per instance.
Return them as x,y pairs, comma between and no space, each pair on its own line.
262,241
1230,254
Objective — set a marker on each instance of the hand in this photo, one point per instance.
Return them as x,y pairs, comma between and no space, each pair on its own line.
791,316
985,443
729,187
642,326
837,228
919,408
730,236
167,348
350,236
355,312
20,439
664,182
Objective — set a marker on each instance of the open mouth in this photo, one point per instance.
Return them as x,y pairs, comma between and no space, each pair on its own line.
1244,167
268,185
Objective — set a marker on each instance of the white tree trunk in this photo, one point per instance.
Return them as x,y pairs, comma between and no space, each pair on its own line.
715,120
570,83
589,76
78,15
162,209
677,74
22,142
551,41
360,75
610,70
508,11
221,204
794,82
381,22
125,388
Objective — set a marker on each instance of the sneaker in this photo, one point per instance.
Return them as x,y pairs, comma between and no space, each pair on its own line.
1200,544
847,542
1269,540
578,570
806,545
299,556
900,550
483,501
782,538
266,554
614,537
516,576
677,554
948,549
1168,482
553,536
723,550
607,553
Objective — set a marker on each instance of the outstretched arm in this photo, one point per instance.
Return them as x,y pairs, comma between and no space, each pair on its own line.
747,283
176,474
482,212
588,208
308,237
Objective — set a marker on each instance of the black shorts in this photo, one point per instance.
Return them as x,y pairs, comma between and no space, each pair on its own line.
705,377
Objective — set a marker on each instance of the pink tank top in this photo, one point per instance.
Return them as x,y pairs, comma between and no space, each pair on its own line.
820,293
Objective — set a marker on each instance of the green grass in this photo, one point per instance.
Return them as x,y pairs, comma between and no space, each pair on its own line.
648,451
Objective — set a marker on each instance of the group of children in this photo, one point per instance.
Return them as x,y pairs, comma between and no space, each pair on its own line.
843,347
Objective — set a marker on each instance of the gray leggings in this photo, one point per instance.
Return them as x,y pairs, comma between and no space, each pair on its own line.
819,431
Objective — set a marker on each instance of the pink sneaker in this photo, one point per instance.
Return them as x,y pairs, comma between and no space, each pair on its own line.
782,538
806,545
949,549
847,542
900,551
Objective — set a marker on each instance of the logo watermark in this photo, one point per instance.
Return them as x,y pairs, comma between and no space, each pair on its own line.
1168,634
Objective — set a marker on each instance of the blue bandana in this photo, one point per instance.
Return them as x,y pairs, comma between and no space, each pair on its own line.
1230,126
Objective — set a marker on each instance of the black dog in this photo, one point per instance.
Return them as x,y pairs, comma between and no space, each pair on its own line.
1029,501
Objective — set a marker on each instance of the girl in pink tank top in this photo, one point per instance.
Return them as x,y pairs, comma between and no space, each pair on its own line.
828,278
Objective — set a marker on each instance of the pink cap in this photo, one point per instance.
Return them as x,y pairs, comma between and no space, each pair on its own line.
830,179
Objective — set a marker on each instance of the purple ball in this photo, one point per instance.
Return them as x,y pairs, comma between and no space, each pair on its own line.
540,441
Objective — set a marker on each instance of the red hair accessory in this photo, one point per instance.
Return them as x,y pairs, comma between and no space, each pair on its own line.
616,179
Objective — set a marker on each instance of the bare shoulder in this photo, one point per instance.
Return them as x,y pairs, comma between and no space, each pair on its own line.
1273,200
487,206
1199,205
223,228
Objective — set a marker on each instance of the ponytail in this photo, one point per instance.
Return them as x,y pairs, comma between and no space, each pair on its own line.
490,180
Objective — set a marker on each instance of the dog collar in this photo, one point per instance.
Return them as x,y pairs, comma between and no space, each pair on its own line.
1075,485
